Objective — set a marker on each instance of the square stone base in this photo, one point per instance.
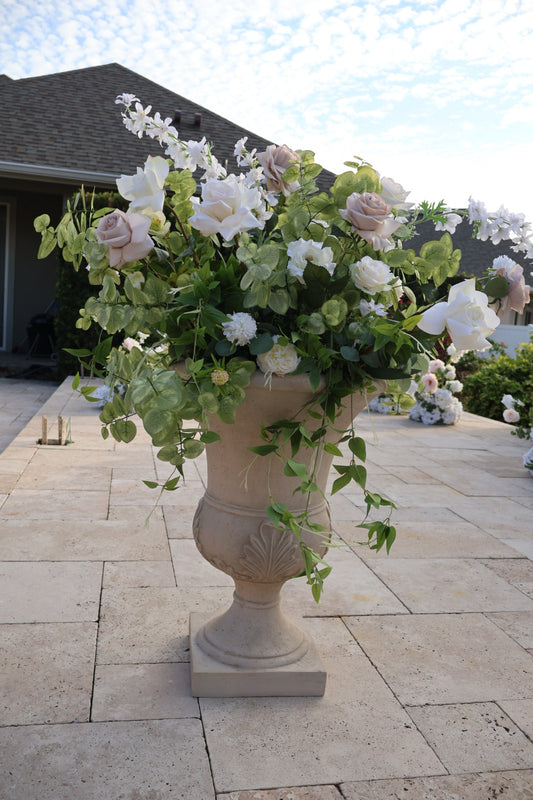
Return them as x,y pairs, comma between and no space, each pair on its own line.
210,678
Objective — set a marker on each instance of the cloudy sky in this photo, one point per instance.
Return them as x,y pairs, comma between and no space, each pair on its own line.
436,94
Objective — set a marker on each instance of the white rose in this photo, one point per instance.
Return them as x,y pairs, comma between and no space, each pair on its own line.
145,190
372,276
227,208
303,250
511,415
394,194
279,360
466,315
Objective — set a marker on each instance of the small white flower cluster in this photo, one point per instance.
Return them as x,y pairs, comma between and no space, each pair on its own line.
185,155
437,405
501,225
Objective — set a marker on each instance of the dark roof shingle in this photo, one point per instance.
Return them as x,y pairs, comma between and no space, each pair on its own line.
70,120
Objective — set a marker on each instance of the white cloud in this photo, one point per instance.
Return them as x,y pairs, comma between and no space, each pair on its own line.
435,89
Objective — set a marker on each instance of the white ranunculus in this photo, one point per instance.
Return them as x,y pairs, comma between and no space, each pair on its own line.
227,208
240,329
279,360
466,315
372,276
145,190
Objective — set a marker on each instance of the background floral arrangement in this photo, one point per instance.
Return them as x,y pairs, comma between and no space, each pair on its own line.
520,415
435,402
258,269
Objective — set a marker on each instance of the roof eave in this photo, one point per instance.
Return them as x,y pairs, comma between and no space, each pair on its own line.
56,174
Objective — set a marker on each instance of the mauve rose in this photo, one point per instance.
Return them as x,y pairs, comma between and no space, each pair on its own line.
370,216
275,160
518,296
126,236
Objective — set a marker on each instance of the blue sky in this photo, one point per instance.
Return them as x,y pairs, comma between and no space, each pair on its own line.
437,94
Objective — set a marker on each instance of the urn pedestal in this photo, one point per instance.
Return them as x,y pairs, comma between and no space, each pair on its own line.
253,649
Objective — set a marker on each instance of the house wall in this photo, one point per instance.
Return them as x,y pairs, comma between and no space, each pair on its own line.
30,284
34,280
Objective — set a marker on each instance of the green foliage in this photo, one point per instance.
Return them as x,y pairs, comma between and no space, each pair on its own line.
483,389
73,290
286,268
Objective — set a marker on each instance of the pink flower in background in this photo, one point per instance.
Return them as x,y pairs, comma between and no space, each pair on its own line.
430,382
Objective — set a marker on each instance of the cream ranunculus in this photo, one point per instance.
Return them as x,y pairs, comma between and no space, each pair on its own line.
145,190
227,208
466,316
126,236
279,360
370,216
275,160
372,276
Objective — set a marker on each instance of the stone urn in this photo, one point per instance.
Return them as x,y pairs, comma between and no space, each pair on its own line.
253,649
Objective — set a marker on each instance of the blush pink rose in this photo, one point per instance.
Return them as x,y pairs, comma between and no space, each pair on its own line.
518,296
370,216
430,382
275,160
126,235
511,415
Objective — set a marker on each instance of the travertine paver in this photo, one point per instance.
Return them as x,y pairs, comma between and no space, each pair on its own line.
518,573
517,625
50,591
40,504
83,539
428,585
444,658
502,785
473,737
356,589
76,549
143,691
151,625
165,758
440,534
294,793
356,731
46,673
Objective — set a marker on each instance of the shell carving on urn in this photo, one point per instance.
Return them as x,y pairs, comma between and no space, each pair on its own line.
270,555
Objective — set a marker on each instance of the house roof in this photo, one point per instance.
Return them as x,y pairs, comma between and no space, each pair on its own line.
68,125
66,128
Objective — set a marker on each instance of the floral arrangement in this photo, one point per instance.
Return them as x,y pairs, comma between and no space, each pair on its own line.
435,402
517,414
258,269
